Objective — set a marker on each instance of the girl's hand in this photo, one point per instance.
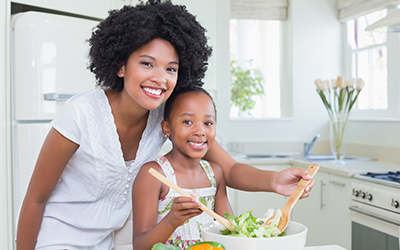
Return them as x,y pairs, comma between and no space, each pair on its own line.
183,208
286,181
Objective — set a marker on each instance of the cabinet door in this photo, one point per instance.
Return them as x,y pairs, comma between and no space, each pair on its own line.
91,8
339,213
259,202
313,211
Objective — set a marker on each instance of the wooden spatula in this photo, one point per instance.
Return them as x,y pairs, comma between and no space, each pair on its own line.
294,197
226,223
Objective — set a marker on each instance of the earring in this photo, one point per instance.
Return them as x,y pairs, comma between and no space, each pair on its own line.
165,135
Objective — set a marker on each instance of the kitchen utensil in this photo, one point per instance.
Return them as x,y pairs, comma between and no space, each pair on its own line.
284,220
175,187
295,238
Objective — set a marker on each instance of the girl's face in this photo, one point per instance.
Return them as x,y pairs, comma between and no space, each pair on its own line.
150,73
191,126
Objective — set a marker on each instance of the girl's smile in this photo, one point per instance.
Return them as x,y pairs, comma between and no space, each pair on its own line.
191,124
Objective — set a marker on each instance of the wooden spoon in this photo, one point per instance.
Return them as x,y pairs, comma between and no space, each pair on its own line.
226,223
284,220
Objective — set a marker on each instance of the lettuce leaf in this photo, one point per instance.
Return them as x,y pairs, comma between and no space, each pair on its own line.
246,225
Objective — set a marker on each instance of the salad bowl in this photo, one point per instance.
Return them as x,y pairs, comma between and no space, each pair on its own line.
295,238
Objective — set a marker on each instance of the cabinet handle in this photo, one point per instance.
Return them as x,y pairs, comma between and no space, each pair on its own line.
322,194
337,183
56,96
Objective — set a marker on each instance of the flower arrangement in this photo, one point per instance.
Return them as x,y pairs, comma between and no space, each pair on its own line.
339,97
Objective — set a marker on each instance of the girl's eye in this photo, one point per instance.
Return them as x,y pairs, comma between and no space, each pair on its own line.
187,122
208,123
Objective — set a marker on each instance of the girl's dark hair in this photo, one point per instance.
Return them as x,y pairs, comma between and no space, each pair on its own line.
171,100
131,27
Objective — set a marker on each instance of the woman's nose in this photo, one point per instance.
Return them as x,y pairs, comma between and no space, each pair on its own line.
159,77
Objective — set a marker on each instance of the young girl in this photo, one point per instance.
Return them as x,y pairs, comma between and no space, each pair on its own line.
79,193
158,213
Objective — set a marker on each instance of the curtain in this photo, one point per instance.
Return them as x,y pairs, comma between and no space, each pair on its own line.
351,9
259,9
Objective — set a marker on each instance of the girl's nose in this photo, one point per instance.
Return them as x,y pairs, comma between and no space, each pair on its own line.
199,131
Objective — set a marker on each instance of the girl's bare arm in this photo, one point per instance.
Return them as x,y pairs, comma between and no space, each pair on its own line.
145,195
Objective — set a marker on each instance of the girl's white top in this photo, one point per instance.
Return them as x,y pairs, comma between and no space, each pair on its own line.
190,232
93,196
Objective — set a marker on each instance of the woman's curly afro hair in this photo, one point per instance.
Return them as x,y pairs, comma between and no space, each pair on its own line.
131,27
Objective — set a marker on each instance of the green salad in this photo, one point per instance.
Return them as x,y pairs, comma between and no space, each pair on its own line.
246,225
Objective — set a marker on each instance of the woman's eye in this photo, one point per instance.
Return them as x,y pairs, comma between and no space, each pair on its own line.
187,122
147,64
208,123
172,69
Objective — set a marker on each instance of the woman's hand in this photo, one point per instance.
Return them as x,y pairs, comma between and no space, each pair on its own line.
182,209
286,181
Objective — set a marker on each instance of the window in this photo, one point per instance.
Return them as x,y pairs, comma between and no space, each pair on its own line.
255,46
374,58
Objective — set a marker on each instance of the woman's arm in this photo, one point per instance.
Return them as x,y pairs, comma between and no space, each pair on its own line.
54,155
222,204
146,192
248,178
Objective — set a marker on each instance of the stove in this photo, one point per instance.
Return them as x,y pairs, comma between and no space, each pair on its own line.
381,190
375,210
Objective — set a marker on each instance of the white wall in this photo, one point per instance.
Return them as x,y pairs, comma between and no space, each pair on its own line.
315,40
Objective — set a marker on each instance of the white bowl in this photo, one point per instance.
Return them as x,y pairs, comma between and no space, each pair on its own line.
294,240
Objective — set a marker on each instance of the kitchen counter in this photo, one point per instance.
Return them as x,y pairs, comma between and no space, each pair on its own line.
351,167
330,247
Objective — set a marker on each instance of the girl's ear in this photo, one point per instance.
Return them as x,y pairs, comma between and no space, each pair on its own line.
121,71
165,128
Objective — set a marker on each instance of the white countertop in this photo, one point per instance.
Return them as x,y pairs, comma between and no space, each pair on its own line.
351,167
330,247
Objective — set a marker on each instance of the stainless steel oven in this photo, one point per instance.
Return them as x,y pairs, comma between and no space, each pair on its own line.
375,211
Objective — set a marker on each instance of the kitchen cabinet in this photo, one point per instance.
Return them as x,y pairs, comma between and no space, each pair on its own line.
326,212
259,202
89,8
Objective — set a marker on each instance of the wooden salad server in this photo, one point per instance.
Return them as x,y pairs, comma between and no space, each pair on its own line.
226,223
294,197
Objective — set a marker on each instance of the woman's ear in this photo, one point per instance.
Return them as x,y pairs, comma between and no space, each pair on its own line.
165,128
121,71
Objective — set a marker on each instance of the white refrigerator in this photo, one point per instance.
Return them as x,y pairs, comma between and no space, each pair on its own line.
49,65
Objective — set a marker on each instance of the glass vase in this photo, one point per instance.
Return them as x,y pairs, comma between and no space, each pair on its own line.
338,140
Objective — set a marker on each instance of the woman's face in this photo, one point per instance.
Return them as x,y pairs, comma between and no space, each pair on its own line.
150,73
191,125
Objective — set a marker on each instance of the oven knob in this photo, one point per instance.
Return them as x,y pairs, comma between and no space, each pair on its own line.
355,193
395,203
363,195
369,197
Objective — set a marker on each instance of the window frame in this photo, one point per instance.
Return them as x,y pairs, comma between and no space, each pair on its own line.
286,87
393,78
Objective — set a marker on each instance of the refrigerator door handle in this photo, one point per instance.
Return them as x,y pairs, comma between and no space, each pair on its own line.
57,96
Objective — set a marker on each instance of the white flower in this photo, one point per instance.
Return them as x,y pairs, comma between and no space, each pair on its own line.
350,82
360,84
339,82
322,85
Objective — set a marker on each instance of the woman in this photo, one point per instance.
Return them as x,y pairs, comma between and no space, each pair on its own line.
79,193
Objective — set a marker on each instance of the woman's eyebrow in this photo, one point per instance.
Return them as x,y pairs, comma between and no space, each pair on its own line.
153,58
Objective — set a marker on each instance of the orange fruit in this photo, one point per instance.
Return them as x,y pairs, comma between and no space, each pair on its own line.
217,248
204,246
